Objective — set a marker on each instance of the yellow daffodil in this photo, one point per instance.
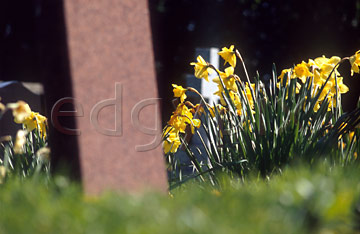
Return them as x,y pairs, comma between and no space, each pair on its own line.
177,122
36,121
319,71
330,63
355,62
42,123
319,61
20,110
301,71
219,108
327,89
235,99
172,142
20,142
227,78
183,110
198,109
31,120
202,69
195,123
322,61
322,67
248,94
180,118
330,90
229,82
167,130
179,91
219,93
229,71
342,87
318,80
292,76
286,71
228,55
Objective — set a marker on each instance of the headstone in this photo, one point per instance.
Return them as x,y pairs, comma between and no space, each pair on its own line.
100,71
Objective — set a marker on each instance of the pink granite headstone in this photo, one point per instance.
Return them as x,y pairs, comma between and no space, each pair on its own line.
114,95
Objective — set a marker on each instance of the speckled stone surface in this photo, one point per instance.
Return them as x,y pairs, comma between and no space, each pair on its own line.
110,42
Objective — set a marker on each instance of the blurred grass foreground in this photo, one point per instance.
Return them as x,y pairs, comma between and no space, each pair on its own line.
322,199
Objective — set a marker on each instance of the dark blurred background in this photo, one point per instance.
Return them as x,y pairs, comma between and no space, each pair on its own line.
19,53
265,32
282,32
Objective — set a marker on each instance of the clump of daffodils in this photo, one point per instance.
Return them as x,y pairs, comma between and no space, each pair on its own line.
181,118
321,71
183,115
28,154
30,120
262,127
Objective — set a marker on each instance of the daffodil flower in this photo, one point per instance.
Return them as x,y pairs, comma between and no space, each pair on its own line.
20,111
198,109
177,122
227,78
301,71
20,141
180,118
286,71
179,91
323,67
202,69
31,120
172,142
195,123
220,109
228,55
36,121
355,62
342,87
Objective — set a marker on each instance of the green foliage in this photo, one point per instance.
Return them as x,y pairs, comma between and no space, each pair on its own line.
260,128
318,200
27,155
32,161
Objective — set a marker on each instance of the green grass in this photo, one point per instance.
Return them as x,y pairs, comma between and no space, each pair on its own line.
301,200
